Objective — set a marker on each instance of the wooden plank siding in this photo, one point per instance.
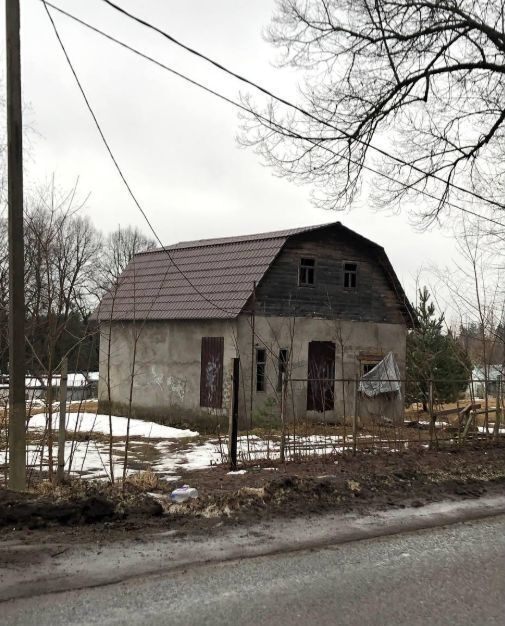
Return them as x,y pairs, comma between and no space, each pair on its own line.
373,300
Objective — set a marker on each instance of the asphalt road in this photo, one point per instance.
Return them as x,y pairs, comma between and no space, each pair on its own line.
452,575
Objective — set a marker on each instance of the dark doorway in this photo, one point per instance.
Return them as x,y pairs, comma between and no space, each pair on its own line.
321,372
211,377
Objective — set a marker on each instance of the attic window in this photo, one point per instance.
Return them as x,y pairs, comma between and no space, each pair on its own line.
350,275
306,273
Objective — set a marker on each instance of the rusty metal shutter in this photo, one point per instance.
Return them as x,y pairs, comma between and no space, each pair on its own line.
321,373
211,375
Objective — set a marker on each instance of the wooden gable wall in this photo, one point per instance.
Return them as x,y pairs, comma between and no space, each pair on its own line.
374,299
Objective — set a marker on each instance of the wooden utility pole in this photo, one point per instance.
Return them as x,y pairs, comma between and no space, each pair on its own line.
17,406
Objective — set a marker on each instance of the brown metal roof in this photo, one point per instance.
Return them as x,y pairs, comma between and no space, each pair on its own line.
204,279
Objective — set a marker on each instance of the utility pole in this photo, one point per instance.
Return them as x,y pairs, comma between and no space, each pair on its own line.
17,406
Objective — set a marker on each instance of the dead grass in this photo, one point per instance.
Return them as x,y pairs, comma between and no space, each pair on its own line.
145,480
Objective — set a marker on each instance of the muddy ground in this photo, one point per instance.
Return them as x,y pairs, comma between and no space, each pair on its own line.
85,511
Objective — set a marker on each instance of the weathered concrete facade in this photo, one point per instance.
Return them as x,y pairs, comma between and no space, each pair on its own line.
167,373
166,376
356,343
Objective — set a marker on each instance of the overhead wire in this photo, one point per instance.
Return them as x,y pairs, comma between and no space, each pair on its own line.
120,171
298,108
211,91
242,107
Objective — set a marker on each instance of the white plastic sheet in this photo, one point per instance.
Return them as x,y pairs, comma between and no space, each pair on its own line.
383,378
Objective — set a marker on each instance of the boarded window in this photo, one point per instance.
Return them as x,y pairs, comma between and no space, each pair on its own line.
321,371
350,275
282,366
306,273
211,376
261,366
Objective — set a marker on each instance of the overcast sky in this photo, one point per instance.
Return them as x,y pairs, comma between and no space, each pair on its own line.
176,144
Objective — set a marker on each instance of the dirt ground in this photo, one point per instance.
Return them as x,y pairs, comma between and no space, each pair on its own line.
84,511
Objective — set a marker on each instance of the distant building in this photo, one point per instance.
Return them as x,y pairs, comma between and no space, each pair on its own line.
320,303
490,379
79,387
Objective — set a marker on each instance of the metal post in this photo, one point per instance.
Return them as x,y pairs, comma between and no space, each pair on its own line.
253,345
282,448
355,416
430,408
60,473
233,426
17,406
498,409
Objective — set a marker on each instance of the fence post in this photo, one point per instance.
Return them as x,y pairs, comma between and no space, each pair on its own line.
233,425
471,418
282,447
499,407
355,416
60,472
430,409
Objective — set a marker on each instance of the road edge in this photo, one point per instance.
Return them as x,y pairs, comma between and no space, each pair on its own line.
63,568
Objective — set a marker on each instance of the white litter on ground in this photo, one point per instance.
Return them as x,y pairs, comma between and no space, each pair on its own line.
89,422
237,473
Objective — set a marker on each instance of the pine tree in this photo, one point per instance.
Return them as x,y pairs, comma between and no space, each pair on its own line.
433,355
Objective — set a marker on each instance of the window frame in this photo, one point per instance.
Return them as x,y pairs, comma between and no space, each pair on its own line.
307,268
261,370
347,272
282,366
369,363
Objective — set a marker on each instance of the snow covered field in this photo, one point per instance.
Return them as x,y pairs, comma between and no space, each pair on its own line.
92,423
166,450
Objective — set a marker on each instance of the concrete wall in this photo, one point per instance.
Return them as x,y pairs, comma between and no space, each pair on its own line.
167,372
166,383
352,340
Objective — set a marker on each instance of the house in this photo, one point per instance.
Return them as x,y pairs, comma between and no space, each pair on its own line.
79,387
489,378
320,303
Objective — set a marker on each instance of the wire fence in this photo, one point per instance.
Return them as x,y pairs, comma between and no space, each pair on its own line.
325,417
302,419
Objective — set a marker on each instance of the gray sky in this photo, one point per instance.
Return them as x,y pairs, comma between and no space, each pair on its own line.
176,144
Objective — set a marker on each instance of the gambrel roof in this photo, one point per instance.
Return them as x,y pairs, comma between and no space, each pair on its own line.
207,279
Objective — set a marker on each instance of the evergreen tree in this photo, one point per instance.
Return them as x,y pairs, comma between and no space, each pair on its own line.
433,355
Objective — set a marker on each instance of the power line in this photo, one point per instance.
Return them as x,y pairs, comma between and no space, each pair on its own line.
239,105
130,191
298,108
118,168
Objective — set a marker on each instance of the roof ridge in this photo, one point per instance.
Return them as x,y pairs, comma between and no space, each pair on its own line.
221,241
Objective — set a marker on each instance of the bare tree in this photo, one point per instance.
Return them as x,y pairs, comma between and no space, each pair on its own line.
119,249
61,248
422,79
474,286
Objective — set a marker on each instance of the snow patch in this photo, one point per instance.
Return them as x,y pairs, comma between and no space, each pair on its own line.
90,422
